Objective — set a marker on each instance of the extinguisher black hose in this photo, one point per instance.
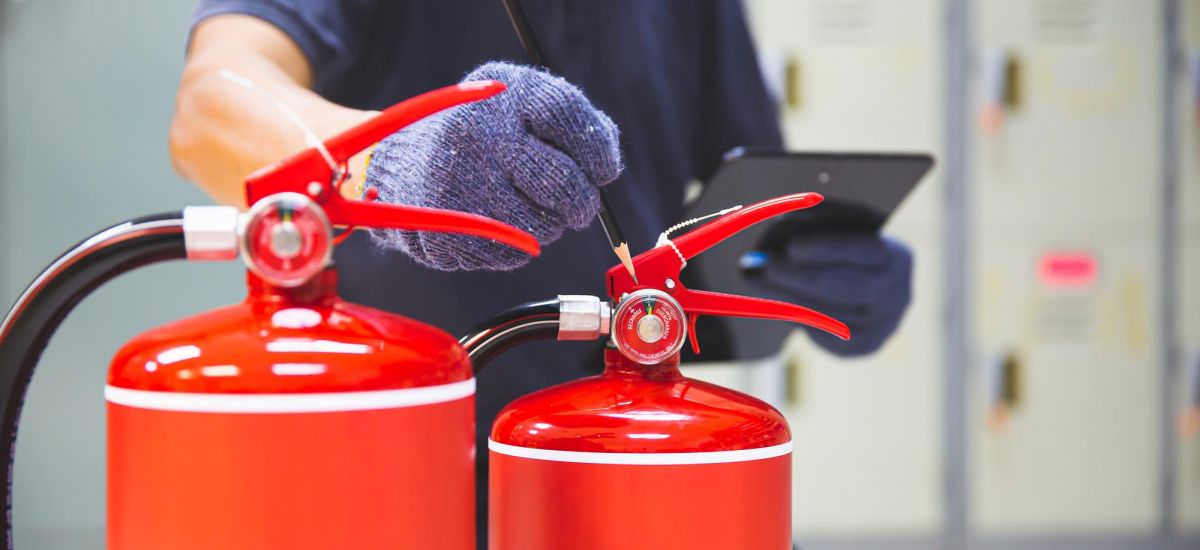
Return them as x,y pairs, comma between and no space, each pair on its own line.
521,324
41,308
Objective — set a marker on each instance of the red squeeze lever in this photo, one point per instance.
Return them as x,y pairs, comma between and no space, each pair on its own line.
309,173
659,268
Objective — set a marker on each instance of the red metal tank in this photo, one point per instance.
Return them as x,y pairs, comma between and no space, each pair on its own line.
291,420
642,457
295,419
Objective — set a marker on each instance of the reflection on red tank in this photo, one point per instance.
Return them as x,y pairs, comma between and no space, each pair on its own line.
636,408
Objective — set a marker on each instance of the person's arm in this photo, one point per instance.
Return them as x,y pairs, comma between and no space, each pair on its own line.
223,131
865,280
736,110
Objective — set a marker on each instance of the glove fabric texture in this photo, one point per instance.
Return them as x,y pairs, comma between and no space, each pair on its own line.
863,280
532,156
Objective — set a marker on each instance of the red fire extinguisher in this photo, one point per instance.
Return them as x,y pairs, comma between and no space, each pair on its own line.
641,457
293,419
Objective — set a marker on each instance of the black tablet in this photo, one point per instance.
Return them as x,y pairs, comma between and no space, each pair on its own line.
861,191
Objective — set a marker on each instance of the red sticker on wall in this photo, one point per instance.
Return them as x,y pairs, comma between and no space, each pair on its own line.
1068,269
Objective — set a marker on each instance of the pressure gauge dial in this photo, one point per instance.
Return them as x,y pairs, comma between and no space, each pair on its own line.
287,239
649,326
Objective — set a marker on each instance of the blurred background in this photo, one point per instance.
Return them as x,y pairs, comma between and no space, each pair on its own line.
1043,391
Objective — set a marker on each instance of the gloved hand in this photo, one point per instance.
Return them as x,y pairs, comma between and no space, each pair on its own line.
532,156
864,280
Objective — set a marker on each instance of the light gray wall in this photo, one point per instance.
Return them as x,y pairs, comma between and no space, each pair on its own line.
86,94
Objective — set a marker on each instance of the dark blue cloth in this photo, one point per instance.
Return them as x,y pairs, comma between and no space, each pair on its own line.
860,279
679,77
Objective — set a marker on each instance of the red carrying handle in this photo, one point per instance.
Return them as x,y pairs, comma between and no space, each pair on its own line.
708,235
309,172
700,302
660,268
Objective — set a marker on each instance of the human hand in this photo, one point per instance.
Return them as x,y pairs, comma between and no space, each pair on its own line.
533,156
863,280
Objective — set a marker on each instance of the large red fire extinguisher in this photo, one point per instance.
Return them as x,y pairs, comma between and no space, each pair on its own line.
293,419
641,457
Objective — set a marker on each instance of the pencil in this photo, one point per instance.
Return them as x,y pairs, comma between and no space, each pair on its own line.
608,221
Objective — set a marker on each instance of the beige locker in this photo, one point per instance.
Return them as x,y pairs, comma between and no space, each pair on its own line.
1187,120
1064,183
867,75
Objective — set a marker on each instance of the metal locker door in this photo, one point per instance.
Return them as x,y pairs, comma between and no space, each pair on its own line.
1187,303
1064,186
867,75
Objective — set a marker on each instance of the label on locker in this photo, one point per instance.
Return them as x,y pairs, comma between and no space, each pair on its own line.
1066,307
1068,269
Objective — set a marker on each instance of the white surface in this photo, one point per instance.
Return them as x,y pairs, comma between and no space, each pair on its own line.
1075,167
868,431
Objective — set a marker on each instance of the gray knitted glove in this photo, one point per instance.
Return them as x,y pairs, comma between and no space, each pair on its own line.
531,156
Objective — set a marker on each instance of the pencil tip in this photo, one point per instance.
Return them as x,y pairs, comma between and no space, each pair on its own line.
622,252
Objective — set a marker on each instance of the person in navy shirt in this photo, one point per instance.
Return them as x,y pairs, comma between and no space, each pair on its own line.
679,78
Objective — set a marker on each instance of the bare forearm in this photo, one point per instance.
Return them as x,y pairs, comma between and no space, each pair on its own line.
223,130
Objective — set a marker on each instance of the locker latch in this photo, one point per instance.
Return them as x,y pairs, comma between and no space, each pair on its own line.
1004,390
1001,88
1194,81
1189,419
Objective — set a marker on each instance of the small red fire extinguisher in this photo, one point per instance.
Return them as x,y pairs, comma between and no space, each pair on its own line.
641,457
293,419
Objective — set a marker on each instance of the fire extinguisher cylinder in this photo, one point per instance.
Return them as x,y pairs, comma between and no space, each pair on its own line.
642,456
292,419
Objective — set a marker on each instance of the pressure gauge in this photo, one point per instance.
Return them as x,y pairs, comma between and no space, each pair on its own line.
649,326
287,239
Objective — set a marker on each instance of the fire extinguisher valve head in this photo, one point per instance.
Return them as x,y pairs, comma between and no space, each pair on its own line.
319,173
642,337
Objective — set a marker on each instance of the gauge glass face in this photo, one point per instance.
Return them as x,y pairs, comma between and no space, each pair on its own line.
649,327
287,239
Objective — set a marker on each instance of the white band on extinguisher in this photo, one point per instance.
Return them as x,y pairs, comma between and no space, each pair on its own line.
643,459
289,403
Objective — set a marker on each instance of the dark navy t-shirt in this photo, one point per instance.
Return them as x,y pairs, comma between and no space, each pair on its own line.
679,77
